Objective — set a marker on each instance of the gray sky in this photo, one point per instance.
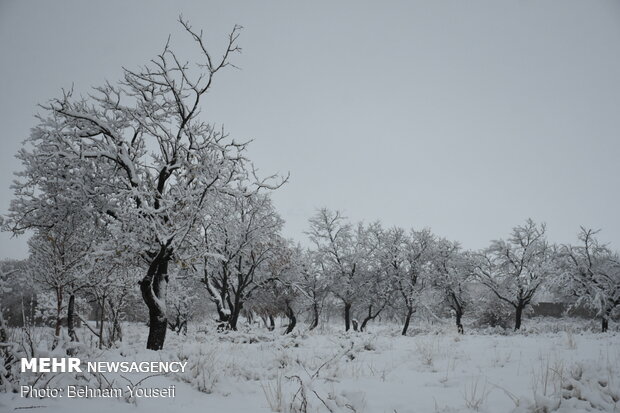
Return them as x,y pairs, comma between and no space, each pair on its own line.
463,116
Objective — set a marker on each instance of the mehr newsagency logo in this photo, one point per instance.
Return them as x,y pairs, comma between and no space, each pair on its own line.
75,365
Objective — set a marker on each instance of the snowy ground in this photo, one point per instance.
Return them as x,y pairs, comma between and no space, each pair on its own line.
548,368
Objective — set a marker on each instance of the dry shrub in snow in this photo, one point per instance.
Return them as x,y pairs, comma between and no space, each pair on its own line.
300,394
429,350
202,370
588,387
476,393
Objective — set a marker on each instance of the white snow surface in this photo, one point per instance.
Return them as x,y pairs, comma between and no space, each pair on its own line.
544,369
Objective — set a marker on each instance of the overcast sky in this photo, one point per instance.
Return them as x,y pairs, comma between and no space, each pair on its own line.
463,116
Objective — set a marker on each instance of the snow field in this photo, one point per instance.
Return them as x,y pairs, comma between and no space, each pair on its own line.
375,372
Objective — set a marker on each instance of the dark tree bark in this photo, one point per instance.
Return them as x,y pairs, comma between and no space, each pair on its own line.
58,323
407,320
6,351
222,315
71,318
370,316
117,331
315,316
272,323
233,319
347,316
518,315
218,298
456,305
153,287
4,336
606,316
59,300
292,320
459,324
101,320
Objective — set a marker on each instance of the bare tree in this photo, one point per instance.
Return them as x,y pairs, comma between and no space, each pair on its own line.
344,251
9,355
514,270
592,273
411,266
138,154
241,243
281,293
314,284
110,285
379,291
56,262
452,272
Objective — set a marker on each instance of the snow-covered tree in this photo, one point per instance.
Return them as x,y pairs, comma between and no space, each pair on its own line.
282,293
56,264
111,283
379,291
63,229
411,267
239,245
184,296
515,269
9,355
592,273
344,251
138,154
452,271
314,284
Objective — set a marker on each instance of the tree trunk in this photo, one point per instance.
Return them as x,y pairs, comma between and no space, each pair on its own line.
71,318
459,324
407,320
518,314
4,331
101,320
154,287
222,315
456,305
217,297
367,318
6,351
315,316
370,316
233,319
235,308
347,316
24,313
58,324
292,319
231,309
117,329
604,324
